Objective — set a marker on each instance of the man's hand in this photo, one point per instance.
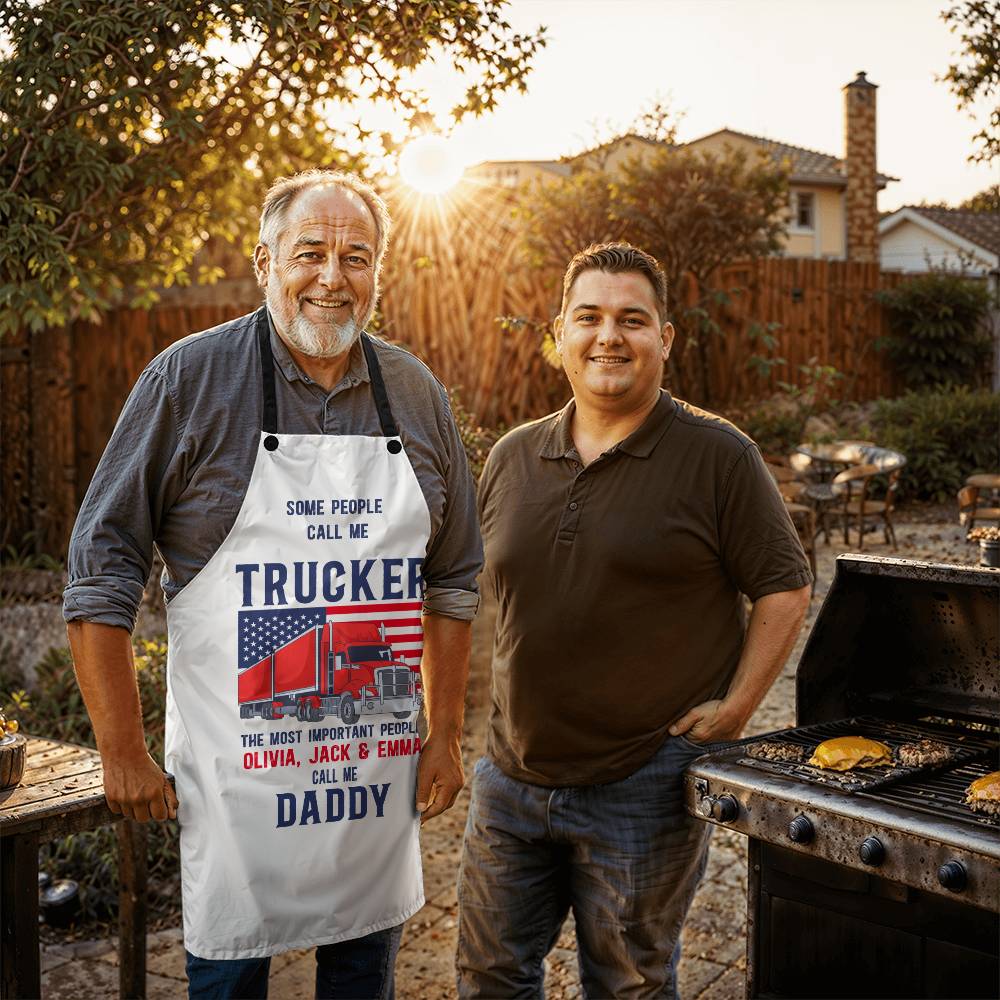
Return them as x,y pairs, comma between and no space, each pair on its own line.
709,722
133,782
138,789
440,776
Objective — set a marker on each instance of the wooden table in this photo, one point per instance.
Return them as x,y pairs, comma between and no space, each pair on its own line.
62,793
984,481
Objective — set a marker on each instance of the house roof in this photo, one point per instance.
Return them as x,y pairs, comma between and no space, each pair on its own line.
804,164
976,232
981,228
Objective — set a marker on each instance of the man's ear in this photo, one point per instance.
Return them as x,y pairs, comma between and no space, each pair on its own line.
668,339
557,331
261,263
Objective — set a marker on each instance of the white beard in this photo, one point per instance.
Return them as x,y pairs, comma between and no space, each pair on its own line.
326,341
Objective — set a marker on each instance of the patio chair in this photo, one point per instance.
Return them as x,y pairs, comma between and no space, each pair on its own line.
818,493
853,486
804,520
973,507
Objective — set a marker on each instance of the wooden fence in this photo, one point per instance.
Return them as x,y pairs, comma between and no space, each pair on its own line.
454,270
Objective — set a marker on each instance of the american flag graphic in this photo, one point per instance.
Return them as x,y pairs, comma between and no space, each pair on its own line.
262,632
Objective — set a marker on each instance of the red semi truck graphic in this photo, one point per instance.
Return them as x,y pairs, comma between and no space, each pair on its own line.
340,668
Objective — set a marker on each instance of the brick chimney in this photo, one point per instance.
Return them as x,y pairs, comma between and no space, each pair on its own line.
859,159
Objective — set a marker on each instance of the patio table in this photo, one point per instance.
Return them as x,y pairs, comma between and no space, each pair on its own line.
62,792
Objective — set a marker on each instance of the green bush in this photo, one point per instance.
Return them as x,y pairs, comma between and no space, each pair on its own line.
946,435
938,336
55,710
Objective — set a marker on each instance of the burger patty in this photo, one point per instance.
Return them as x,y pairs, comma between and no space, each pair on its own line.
788,753
922,753
991,807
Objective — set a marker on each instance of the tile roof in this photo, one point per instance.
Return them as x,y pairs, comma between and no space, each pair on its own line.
981,228
803,163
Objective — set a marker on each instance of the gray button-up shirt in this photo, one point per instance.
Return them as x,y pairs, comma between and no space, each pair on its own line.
178,465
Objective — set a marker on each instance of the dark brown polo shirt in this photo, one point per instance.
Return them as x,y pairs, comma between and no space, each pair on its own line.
619,585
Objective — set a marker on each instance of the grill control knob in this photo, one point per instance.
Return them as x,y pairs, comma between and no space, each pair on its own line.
872,852
800,830
725,809
952,876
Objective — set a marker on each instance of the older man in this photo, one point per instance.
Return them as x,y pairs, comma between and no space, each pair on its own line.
307,489
621,535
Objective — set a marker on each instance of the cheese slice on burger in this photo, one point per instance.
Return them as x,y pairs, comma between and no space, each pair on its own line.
847,752
984,794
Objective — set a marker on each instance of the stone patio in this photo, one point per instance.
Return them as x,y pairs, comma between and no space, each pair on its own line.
714,937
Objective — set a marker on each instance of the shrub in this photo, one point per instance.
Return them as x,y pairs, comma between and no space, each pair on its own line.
55,710
946,435
938,336
477,440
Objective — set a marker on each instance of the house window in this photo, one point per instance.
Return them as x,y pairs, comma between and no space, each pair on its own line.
804,210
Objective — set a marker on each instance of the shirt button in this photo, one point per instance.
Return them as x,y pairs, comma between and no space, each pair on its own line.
573,505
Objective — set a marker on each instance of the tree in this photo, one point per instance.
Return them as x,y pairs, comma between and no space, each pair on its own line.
694,212
986,201
133,132
976,76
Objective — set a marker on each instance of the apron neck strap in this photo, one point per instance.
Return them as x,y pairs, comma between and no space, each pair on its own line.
270,421
270,417
385,418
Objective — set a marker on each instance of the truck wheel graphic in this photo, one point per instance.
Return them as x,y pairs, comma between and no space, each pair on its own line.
348,713
401,715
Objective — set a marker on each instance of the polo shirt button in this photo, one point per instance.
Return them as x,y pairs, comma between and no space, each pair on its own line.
573,505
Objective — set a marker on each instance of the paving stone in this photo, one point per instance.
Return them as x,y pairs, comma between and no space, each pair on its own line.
695,974
297,979
425,969
731,985
93,979
715,947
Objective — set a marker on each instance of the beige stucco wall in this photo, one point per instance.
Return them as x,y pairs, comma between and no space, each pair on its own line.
827,238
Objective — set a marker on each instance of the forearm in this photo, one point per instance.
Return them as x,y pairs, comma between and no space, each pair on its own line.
445,670
134,784
105,671
774,626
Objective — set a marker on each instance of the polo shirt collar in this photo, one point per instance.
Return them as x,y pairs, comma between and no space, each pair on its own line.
357,368
558,443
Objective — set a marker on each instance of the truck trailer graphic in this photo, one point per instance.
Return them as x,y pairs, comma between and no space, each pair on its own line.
344,661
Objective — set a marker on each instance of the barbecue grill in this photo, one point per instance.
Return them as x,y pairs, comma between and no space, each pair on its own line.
876,882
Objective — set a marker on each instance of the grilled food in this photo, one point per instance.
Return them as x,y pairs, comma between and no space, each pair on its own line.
983,795
922,753
779,750
848,752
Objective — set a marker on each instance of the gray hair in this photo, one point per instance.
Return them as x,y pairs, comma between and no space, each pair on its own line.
283,192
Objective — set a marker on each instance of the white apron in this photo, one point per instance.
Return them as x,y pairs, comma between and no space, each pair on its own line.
293,692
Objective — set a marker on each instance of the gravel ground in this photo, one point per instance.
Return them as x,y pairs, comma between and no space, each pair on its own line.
714,939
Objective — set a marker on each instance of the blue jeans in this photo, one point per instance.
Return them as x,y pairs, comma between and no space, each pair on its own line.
625,857
361,968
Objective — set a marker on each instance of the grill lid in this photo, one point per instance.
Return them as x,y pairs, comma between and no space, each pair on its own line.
904,637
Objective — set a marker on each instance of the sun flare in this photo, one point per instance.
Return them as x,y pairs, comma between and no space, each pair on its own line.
431,164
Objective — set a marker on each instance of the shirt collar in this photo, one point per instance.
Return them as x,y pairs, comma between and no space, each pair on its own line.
640,443
357,368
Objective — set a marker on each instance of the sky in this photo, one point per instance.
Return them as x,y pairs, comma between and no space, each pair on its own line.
773,68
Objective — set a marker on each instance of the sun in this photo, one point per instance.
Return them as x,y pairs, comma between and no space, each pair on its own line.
430,164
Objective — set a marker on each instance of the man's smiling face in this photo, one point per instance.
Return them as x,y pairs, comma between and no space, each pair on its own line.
320,277
612,341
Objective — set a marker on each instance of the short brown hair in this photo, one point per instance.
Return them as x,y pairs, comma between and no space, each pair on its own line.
283,192
617,258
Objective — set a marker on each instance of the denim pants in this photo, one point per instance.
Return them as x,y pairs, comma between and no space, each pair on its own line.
624,857
348,970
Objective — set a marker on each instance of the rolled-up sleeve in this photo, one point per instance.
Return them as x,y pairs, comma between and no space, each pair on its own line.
455,555
111,549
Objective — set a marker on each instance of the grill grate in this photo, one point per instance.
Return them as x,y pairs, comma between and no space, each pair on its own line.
942,794
967,746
